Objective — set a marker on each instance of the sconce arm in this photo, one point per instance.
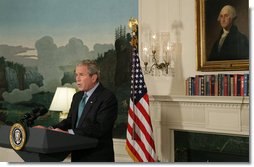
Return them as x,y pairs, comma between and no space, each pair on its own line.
161,66
151,68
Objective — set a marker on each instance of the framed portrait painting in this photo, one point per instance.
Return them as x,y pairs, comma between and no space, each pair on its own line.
222,35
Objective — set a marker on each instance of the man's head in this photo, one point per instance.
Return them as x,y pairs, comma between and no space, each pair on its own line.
227,16
87,75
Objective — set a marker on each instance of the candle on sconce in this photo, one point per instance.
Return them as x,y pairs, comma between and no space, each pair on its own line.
168,47
154,36
153,44
167,51
145,56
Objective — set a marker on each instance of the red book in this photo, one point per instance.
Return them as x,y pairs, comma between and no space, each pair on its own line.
196,85
187,87
242,85
225,77
238,84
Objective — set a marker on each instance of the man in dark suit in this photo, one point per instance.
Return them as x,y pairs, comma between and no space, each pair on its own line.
231,44
97,117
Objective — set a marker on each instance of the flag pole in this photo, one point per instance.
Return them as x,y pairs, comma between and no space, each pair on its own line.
133,25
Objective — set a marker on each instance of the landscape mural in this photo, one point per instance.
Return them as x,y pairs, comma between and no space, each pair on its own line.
41,42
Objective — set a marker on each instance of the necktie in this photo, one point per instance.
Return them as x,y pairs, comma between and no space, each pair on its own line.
81,107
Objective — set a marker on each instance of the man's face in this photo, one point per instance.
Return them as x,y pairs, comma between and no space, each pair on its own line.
85,82
225,19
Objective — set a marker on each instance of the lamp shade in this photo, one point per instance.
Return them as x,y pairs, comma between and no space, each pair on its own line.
62,99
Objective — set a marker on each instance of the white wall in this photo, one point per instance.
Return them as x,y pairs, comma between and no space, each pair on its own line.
158,16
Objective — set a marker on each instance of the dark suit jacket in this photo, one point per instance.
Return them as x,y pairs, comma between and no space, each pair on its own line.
96,121
235,47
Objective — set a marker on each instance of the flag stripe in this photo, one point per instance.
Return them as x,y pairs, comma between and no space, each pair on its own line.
138,145
133,152
143,110
149,144
141,117
141,145
146,137
142,128
142,103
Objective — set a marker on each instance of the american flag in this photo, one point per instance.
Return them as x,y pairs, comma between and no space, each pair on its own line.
139,139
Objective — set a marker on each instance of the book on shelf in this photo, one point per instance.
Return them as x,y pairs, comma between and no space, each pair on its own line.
218,85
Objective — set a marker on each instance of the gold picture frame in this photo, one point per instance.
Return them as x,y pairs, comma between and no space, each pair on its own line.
203,64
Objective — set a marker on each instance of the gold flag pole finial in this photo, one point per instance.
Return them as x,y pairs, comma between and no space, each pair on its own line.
133,25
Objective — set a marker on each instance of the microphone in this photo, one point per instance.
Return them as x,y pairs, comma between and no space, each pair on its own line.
29,118
39,111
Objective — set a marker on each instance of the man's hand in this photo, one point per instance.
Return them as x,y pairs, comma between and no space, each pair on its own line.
60,130
50,128
40,127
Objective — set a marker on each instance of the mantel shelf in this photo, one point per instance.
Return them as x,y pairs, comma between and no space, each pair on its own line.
201,99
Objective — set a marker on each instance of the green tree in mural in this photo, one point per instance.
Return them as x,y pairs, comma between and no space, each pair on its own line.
120,32
20,70
3,117
2,62
3,82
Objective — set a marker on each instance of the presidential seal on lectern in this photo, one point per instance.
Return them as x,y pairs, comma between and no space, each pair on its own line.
17,136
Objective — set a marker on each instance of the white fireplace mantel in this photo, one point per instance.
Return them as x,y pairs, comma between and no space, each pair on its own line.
226,115
219,114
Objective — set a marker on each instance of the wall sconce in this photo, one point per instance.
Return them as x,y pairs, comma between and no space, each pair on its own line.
157,54
62,101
